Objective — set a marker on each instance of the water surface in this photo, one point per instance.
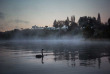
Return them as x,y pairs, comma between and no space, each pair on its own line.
60,57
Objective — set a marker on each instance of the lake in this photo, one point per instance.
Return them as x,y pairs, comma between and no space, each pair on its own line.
60,57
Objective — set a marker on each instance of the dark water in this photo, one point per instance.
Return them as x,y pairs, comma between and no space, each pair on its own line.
60,57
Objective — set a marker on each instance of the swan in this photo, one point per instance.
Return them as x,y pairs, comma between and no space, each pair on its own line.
40,56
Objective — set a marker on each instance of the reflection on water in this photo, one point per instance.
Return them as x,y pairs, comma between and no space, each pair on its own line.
59,57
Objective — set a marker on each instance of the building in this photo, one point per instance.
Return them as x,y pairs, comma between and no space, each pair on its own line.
36,27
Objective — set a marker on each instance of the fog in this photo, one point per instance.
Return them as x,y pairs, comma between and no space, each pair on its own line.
64,55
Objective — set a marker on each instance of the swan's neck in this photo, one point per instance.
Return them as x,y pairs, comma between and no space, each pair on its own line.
42,52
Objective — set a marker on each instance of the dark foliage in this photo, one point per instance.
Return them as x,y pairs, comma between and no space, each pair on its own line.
89,27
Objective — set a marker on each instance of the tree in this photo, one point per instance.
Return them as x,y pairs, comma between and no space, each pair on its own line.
67,23
60,25
87,24
99,18
72,26
109,21
46,26
55,24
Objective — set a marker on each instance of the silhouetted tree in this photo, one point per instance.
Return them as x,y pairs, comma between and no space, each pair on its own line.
72,26
87,24
55,24
46,26
109,21
67,23
60,25
99,18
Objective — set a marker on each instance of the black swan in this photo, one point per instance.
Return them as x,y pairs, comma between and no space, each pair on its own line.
40,56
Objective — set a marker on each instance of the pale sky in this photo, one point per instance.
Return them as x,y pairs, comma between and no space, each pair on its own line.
26,13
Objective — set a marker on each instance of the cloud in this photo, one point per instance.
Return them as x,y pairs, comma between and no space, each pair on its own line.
2,16
21,21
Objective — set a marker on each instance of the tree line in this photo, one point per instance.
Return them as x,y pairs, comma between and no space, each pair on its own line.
88,27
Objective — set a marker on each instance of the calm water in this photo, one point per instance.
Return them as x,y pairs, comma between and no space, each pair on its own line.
60,57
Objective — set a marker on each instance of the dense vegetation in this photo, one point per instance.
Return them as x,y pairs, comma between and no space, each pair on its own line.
88,27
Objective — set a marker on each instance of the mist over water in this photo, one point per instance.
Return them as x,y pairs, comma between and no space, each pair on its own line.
54,37
61,56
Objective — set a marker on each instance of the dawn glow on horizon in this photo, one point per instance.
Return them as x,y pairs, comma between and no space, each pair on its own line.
26,13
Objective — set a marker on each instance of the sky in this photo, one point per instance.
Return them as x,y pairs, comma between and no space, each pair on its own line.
16,14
